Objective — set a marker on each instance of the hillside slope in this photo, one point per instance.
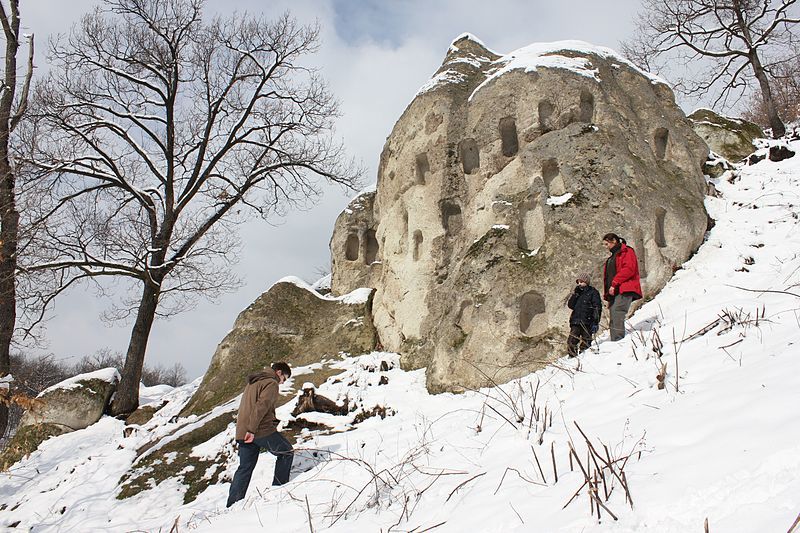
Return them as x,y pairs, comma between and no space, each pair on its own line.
721,440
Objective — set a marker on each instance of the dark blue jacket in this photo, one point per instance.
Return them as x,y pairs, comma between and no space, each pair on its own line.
586,306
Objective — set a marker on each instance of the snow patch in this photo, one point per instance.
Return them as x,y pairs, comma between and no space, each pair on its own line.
153,394
444,77
559,200
323,283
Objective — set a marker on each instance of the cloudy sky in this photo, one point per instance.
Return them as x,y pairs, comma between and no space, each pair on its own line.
375,55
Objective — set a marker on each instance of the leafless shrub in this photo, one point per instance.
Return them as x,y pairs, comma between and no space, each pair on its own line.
602,471
174,376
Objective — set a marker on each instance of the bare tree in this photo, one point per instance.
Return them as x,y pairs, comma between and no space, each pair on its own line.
786,92
12,107
739,40
158,131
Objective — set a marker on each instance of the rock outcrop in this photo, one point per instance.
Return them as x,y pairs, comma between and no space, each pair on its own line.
494,190
290,322
73,404
732,138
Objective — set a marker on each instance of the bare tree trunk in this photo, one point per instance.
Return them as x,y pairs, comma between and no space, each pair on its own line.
9,225
775,122
126,399
9,216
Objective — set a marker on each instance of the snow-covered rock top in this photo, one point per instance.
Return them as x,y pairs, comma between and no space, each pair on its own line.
471,37
109,375
571,55
550,55
357,297
357,203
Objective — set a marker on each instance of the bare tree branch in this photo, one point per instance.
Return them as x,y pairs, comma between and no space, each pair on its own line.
740,40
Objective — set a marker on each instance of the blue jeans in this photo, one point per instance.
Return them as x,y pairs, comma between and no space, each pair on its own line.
278,446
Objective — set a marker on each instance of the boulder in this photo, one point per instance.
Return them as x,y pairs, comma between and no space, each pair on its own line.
732,138
290,322
494,189
779,153
73,404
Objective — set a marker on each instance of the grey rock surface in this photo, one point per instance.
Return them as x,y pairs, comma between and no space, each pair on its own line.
494,190
75,403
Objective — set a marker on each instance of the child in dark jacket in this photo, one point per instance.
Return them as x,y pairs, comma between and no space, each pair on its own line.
586,308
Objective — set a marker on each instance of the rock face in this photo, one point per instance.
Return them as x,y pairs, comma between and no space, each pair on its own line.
75,403
494,190
290,322
732,138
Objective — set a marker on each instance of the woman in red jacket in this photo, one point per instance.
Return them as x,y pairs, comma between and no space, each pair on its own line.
620,281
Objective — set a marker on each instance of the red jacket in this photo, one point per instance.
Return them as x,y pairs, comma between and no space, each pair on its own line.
627,276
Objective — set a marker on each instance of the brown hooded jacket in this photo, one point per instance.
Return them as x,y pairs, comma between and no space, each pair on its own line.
257,408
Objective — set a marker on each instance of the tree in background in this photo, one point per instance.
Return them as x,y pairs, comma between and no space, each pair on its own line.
157,132
13,105
785,91
739,40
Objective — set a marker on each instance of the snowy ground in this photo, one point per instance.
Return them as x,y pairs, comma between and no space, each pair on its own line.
721,440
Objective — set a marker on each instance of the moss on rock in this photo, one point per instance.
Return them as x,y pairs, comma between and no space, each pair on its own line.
143,414
26,440
731,138
174,461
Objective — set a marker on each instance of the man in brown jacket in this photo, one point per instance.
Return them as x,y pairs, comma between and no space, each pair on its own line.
256,428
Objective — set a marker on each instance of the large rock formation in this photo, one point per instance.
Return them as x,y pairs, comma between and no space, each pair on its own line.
290,322
732,138
494,190
73,404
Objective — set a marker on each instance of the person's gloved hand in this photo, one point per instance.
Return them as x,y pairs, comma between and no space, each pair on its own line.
594,328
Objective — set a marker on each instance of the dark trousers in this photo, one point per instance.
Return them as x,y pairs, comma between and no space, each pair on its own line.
579,339
618,311
278,446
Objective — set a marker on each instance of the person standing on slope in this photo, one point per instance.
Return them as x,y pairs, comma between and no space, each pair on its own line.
256,428
621,282
586,310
